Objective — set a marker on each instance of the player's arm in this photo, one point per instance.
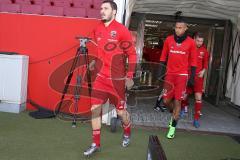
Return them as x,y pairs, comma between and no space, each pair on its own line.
163,58
165,52
94,54
205,64
193,63
129,49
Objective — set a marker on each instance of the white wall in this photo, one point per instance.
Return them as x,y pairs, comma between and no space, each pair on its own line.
129,8
120,12
233,82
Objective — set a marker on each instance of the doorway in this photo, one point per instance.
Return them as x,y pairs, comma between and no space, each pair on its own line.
216,34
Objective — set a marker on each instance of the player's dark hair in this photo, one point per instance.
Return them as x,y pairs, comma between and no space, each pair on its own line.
179,18
112,4
198,35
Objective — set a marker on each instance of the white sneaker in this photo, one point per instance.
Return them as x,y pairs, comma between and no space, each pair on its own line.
92,149
126,141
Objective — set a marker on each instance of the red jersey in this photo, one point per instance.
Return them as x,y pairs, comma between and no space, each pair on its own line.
202,59
114,46
179,56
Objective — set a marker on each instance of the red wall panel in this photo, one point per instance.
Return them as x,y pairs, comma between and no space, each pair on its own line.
43,37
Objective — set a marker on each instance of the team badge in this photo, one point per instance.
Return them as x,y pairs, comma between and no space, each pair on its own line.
113,34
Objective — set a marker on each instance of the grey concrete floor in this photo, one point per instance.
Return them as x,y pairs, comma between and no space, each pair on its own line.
222,119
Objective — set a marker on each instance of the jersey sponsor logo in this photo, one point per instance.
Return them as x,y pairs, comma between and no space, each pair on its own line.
113,34
177,52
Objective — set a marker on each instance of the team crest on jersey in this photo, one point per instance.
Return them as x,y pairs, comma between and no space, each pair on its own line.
113,34
201,54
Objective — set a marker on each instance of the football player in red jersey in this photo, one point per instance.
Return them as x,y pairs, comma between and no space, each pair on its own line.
114,44
179,52
202,66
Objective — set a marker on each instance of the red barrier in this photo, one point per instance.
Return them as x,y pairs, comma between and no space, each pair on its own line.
41,38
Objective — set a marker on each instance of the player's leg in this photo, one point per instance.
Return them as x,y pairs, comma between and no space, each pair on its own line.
168,102
184,105
168,95
118,98
96,130
126,124
98,98
185,101
198,89
179,91
174,119
168,86
198,106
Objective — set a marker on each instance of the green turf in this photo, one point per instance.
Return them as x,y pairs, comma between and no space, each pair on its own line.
24,138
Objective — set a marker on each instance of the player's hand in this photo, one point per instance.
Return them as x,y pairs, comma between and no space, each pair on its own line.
161,71
190,82
129,83
91,65
192,75
201,73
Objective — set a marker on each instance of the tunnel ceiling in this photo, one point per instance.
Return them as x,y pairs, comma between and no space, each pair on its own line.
216,9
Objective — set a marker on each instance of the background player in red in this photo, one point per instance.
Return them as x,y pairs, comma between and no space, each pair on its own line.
114,47
179,51
202,66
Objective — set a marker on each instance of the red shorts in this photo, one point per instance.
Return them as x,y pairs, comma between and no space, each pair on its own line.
105,88
175,86
198,86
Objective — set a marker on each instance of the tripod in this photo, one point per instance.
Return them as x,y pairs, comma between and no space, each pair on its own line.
81,50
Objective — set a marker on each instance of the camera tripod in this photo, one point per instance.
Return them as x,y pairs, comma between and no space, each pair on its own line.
77,90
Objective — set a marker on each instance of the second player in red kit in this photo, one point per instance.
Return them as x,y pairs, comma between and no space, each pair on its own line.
179,52
197,88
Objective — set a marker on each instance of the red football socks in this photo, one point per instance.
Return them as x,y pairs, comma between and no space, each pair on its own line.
96,136
127,129
198,106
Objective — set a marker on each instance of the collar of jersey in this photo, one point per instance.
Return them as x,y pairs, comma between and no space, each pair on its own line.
113,22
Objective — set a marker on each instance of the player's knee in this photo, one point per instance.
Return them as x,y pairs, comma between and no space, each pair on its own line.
166,102
96,109
120,112
176,117
198,100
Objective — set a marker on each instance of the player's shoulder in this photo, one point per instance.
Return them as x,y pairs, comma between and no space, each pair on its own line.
98,28
120,26
204,49
170,38
190,39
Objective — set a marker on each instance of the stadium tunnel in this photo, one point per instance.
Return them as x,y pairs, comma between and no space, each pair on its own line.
219,21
